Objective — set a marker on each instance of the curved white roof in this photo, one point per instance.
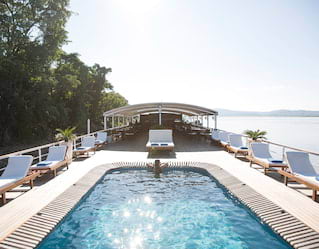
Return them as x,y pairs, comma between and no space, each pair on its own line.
164,107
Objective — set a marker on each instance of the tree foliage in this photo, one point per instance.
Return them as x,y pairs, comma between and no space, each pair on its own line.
41,86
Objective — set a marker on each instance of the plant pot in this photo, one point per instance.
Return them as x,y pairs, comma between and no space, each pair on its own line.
69,151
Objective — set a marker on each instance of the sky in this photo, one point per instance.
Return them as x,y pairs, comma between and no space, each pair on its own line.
248,55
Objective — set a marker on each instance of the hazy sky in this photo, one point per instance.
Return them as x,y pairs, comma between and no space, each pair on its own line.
242,55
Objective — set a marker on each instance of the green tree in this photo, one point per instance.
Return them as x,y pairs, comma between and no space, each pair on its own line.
31,33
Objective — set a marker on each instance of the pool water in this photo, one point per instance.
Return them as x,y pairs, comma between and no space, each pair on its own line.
132,209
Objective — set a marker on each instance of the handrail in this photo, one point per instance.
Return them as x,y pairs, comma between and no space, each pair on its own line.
283,146
38,148
291,148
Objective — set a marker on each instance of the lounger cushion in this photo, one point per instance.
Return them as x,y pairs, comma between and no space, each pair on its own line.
45,164
7,181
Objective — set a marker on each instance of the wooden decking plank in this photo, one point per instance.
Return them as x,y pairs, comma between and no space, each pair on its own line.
307,243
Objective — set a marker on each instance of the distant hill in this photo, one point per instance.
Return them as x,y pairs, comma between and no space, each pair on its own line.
276,113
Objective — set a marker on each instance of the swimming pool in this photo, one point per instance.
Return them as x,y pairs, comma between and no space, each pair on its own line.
181,209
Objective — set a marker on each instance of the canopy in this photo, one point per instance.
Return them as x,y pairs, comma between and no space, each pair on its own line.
160,107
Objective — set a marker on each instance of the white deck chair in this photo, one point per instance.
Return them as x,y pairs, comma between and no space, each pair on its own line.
215,135
302,170
236,144
160,140
224,138
87,145
54,160
101,138
15,174
260,155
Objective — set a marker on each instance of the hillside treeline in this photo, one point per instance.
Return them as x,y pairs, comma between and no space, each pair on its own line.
41,86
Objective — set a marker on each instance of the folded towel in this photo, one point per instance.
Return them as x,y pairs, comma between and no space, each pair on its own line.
275,161
154,144
243,147
81,148
317,178
44,163
164,144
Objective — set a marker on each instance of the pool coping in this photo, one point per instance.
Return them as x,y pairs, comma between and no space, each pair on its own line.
34,230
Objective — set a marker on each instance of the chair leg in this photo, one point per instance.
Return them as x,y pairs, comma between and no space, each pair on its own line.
286,180
54,173
250,163
31,183
3,199
314,194
265,171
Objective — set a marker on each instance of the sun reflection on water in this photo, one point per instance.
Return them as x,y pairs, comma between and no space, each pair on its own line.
139,219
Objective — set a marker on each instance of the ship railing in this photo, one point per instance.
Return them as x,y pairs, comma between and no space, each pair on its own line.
39,153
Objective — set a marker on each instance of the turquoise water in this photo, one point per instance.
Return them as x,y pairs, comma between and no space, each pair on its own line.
181,209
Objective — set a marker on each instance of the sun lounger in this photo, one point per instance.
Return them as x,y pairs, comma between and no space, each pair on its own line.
16,174
87,145
301,170
54,160
236,144
260,155
215,135
224,138
160,140
101,138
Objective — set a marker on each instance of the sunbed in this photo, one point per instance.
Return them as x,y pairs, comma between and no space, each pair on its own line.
224,138
16,174
215,135
101,138
301,170
160,140
260,155
87,146
54,160
236,144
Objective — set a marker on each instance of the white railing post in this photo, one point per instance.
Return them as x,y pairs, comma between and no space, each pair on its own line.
215,118
40,156
283,153
88,126
105,124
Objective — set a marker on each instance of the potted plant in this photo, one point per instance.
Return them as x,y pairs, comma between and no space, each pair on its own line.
67,136
255,135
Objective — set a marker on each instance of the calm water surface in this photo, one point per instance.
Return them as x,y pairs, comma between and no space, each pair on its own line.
181,209
300,132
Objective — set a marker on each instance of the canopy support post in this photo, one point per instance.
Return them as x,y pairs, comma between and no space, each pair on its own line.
215,122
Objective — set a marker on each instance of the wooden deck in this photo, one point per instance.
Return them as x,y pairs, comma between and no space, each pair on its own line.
297,203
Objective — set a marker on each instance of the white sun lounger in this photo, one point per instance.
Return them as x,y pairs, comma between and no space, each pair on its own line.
16,174
101,138
160,140
215,135
87,145
54,160
260,155
236,144
224,138
301,170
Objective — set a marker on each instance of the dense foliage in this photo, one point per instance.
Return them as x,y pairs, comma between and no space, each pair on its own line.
42,87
